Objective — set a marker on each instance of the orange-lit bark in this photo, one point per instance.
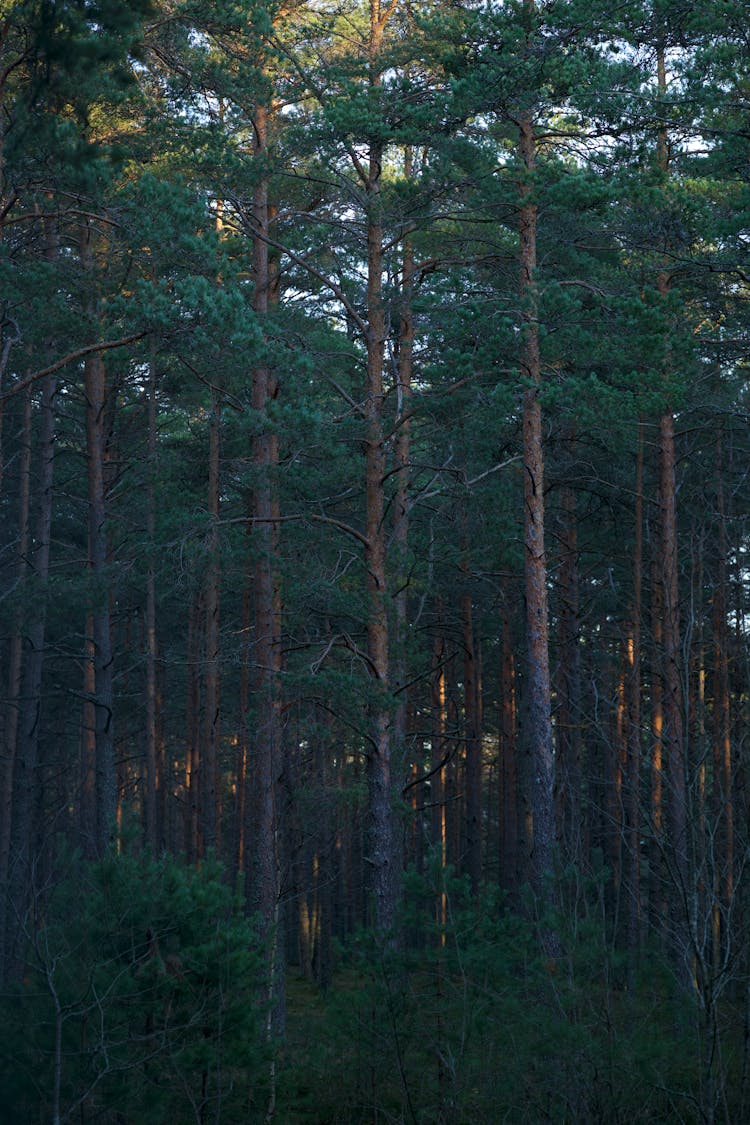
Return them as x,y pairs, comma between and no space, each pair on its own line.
473,750
656,887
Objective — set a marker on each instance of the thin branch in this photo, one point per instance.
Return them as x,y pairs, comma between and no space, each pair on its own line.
71,357
346,527
335,289
229,398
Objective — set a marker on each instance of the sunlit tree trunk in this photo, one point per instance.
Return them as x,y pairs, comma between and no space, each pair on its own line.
656,804
472,741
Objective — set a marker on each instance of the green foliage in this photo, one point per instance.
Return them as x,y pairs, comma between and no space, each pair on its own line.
469,1024
149,973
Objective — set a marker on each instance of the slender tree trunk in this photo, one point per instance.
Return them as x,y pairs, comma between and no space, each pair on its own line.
722,741
401,505
673,715
243,747
382,844
674,744
87,804
39,559
438,779
193,756
472,738
438,745
263,858
211,716
96,392
538,708
12,703
656,856
507,764
613,782
18,768
568,779
96,441
152,778
633,787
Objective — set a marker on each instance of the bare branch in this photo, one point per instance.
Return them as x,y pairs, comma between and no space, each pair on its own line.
71,357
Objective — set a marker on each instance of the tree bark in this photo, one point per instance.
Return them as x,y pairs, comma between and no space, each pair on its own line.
633,787
656,858
97,446
263,858
507,764
382,849
674,743
472,740
568,774
401,504
209,798
191,807
151,828
723,829
539,711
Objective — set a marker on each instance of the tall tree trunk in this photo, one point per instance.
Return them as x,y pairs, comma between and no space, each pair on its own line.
539,711
96,392
674,743
507,763
211,716
438,778
472,739
722,740
401,465
35,632
243,746
263,858
18,769
96,441
632,790
656,850
152,830
568,779
382,844
438,746
193,754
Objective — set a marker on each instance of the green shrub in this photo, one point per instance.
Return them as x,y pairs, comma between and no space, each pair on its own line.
140,1001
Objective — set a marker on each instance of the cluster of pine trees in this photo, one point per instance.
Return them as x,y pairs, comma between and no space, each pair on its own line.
374,491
